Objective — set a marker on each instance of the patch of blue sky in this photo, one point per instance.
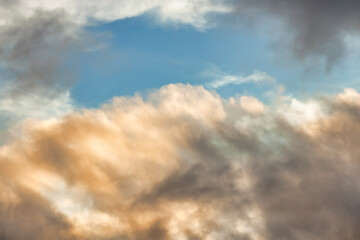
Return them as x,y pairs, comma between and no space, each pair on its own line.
136,55
140,55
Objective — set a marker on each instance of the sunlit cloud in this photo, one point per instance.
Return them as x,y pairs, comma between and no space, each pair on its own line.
185,163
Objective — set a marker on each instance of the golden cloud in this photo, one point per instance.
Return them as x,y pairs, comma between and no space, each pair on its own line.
186,164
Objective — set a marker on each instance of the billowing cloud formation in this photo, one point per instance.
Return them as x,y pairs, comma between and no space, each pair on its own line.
314,28
187,164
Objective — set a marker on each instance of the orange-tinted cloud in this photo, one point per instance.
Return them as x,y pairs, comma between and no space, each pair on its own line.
186,164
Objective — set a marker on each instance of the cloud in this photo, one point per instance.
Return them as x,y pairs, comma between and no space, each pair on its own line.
252,105
33,49
222,79
313,29
32,105
84,12
183,163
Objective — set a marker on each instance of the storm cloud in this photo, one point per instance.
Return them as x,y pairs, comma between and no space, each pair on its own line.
183,163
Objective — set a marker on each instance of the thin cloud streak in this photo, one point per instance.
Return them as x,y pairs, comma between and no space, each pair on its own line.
225,80
222,79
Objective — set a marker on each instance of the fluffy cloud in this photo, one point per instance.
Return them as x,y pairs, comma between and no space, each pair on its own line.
186,164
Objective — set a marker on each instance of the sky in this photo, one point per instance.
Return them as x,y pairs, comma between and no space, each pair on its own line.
179,119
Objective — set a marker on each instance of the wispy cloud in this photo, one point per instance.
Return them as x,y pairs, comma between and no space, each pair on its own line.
222,79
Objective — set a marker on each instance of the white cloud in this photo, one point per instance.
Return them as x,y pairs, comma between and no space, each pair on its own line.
349,96
252,105
15,110
82,12
33,105
221,79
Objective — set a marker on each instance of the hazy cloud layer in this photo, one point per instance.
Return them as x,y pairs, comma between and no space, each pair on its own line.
186,164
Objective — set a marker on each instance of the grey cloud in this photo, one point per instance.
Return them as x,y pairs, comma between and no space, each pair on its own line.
9,3
33,218
35,78
32,50
315,29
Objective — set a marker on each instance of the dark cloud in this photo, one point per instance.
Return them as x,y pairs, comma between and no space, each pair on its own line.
9,3
32,50
35,74
309,193
32,218
315,29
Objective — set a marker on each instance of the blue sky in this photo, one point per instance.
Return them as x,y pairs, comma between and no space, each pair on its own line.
139,55
91,54
135,55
